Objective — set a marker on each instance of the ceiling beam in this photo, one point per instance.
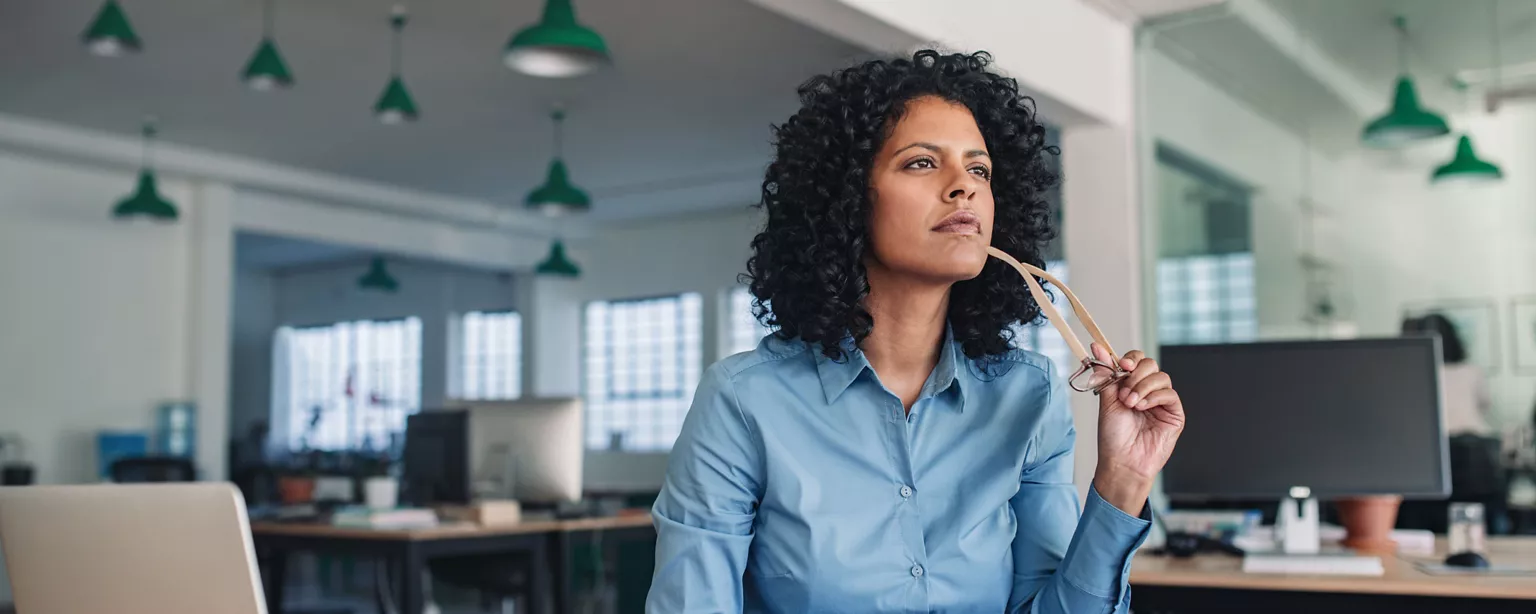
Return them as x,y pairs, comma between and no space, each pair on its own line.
1292,41
60,141
1134,11
279,215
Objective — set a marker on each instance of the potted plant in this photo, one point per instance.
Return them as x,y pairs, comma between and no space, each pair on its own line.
296,480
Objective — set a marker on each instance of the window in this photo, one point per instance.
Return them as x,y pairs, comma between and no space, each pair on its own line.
490,356
1205,268
1042,336
642,364
1206,299
745,330
346,386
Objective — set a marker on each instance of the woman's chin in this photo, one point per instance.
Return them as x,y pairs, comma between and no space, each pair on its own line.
955,270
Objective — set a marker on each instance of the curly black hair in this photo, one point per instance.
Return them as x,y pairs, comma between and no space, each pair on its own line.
807,274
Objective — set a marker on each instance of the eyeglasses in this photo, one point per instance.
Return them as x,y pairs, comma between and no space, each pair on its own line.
1094,375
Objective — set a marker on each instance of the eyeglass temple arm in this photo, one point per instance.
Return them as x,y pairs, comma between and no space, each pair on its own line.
1029,272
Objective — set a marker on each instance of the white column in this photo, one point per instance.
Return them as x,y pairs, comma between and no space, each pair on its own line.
211,219
552,339
1102,237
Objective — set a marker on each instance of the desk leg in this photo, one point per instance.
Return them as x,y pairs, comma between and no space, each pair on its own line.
559,567
541,586
408,595
274,574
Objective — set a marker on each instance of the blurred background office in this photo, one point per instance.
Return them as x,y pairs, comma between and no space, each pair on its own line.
258,235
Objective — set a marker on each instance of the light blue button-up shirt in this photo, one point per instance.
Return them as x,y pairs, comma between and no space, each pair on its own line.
799,485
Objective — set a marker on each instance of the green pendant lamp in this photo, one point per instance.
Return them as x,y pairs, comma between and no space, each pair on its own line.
267,70
109,34
557,264
395,105
1466,167
146,201
557,46
1407,122
378,278
558,196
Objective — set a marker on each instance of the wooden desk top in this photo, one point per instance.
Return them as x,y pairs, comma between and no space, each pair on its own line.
450,530
1401,578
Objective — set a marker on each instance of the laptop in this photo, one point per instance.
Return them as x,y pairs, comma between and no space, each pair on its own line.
182,548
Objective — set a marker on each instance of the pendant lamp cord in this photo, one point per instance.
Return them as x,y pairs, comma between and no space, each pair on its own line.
559,117
397,22
146,156
267,19
1498,47
1401,23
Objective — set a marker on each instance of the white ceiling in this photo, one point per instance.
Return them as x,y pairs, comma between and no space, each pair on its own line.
1325,67
1444,38
679,123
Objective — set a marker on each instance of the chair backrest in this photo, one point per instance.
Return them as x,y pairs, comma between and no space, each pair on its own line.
1475,468
153,469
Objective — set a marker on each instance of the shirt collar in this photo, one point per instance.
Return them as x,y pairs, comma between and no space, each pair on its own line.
837,376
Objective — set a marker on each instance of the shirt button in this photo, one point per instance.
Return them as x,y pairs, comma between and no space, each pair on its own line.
906,492
917,571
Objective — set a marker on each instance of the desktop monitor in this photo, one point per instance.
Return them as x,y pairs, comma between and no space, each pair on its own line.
436,460
1343,418
528,449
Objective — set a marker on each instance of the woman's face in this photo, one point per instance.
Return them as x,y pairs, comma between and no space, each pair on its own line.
932,196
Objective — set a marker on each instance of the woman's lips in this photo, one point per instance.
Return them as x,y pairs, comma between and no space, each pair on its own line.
960,222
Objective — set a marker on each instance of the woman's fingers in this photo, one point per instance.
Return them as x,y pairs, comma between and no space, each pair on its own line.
1132,358
1131,389
1159,398
1148,385
1100,353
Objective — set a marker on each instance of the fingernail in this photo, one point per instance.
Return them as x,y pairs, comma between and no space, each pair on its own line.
1134,398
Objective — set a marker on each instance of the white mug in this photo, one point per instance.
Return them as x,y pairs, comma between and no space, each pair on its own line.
381,493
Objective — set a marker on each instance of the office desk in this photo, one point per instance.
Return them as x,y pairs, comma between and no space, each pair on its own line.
407,552
1216,583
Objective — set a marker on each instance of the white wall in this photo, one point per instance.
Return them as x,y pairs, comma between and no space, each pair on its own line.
93,312
699,253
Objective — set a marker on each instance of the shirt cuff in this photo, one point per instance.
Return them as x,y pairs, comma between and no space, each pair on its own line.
1099,560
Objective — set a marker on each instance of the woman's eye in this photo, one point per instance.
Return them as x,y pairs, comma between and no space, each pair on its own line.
921,163
983,172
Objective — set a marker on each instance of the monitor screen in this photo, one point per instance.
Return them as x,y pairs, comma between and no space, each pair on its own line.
1344,418
436,462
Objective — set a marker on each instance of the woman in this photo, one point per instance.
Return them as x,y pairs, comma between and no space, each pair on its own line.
1468,404
887,450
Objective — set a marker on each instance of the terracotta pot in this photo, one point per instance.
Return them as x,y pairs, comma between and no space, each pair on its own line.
1368,522
293,490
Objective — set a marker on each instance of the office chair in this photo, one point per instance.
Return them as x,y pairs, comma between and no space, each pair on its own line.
1477,476
153,469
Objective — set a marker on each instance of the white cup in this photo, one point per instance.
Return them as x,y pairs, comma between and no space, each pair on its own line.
381,493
